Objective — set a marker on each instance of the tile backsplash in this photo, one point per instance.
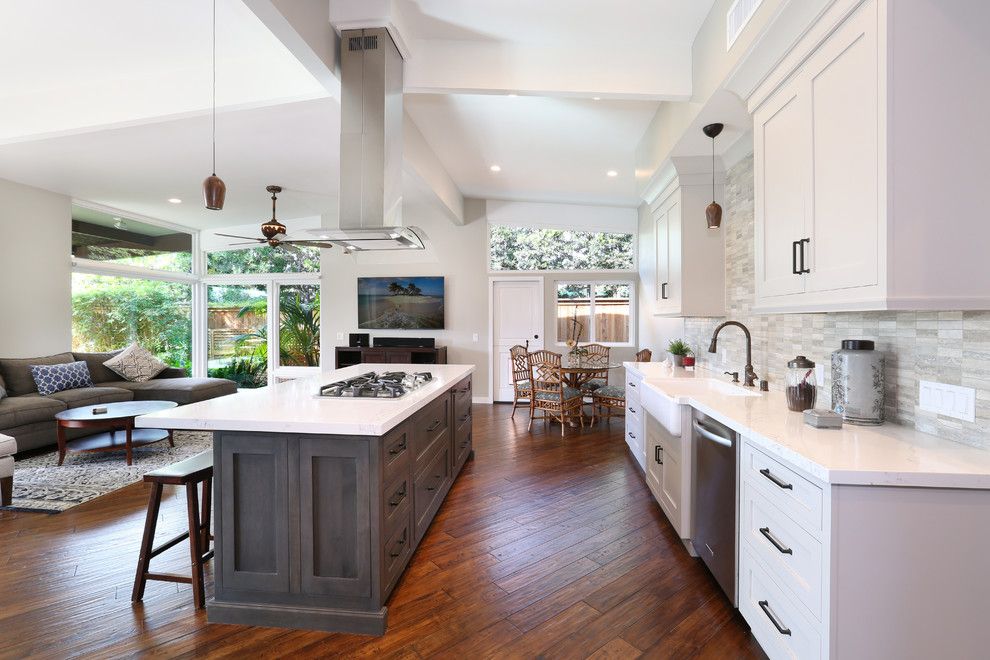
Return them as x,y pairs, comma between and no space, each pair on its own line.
948,347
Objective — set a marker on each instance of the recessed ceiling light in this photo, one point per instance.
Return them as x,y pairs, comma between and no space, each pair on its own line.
174,200
612,173
596,98
512,95
495,168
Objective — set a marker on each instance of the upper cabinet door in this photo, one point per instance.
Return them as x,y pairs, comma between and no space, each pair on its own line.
662,220
781,174
843,89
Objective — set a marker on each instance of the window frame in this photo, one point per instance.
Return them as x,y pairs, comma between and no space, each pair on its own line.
634,269
592,283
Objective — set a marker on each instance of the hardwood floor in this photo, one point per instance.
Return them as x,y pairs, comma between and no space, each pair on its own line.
545,547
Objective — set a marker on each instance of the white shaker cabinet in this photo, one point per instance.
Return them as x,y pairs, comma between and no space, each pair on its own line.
690,269
852,212
668,471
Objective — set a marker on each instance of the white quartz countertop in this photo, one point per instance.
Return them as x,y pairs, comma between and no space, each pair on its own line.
886,455
294,407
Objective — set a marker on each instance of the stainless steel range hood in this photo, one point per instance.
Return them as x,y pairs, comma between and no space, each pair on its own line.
371,146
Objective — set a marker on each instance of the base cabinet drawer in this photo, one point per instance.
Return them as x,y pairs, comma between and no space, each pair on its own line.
462,444
395,502
430,427
777,622
799,498
793,555
429,488
396,551
396,452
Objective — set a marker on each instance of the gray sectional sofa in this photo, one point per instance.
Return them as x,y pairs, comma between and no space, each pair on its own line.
30,418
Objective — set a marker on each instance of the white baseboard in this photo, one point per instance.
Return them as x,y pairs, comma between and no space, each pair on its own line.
481,399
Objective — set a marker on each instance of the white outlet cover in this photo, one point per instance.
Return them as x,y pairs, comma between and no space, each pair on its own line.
340,336
949,400
474,337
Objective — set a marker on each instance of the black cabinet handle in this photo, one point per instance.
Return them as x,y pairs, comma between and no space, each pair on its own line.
465,418
632,410
632,384
397,449
776,480
439,478
397,548
765,606
632,435
663,290
794,258
397,497
434,426
658,449
777,544
802,243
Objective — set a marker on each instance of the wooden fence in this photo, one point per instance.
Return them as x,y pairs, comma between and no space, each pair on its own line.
611,321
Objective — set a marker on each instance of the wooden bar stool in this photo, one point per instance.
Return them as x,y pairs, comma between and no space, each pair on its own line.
190,472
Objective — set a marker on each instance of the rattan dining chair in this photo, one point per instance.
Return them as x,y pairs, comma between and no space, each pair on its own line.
522,388
551,395
596,355
607,401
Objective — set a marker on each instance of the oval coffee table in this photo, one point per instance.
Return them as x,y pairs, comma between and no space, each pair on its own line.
118,419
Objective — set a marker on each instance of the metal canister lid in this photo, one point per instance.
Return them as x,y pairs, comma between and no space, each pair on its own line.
801,362
857,345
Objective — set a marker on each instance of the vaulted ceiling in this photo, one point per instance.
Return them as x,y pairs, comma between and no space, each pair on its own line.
109,101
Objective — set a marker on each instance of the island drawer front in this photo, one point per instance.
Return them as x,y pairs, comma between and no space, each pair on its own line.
397,548
462,444
791,554
395,452
429,427
395,501
462,398
429,487
777,622
793,494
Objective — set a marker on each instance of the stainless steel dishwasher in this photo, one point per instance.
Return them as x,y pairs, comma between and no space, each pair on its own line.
716,450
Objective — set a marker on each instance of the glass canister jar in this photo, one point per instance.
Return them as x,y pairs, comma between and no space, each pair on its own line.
857,382
801,387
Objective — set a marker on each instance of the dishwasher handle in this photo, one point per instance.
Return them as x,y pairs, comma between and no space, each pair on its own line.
709,435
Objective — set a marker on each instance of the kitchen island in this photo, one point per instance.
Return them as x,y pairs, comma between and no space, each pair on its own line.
321,502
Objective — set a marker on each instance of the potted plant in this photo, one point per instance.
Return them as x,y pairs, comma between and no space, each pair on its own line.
678,350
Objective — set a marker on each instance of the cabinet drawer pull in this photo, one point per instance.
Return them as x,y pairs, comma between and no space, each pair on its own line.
802,243
663,290
397,497
632,384
439,478
784,550
776,480
434,426
658,449
397,548
765,606
794,259
464,419
394,450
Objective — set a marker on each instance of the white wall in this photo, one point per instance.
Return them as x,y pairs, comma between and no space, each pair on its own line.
35,277
456,252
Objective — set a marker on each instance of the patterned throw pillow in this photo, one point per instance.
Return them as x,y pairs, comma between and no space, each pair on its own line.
3,391
135,364
52,378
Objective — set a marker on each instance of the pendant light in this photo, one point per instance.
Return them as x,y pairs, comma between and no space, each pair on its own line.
214,189
713,214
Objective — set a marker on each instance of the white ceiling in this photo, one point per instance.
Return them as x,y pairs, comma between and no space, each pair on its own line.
70,65
549,149
138,168
109,100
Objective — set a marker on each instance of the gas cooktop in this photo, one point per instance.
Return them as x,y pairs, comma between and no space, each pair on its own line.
372,385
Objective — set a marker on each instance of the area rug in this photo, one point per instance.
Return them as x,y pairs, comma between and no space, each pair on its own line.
41,485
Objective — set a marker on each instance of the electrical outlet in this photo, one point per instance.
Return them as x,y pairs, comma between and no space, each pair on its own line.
949,400
340,336
474,337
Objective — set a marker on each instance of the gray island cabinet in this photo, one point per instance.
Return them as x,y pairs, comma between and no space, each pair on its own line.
314,531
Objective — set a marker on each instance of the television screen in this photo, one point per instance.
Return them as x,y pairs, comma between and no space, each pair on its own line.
400,303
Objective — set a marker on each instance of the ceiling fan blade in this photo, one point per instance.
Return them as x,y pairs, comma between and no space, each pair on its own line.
247,238
289,247
248,243
326,245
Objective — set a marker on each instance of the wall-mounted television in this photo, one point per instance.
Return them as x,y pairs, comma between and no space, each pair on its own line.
400,303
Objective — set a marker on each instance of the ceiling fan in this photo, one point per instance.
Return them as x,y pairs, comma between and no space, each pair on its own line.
274,232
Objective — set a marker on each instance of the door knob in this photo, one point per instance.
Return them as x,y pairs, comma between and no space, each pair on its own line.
536,336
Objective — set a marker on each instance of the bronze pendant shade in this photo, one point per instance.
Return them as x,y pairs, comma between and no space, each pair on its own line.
713,214
214,189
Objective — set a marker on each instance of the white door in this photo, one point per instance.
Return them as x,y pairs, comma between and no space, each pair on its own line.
517,318
843,252
781,172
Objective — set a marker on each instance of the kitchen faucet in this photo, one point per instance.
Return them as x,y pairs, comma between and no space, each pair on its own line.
750,376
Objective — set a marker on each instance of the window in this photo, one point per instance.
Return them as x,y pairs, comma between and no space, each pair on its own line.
237,333
597,312
110,312
299,325
263,259
101,236
530,248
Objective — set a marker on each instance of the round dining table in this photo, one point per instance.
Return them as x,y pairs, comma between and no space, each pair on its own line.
576,372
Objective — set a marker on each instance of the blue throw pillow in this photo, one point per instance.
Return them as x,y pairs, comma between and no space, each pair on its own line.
52,378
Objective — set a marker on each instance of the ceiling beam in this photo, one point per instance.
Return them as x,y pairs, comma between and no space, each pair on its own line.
419,160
